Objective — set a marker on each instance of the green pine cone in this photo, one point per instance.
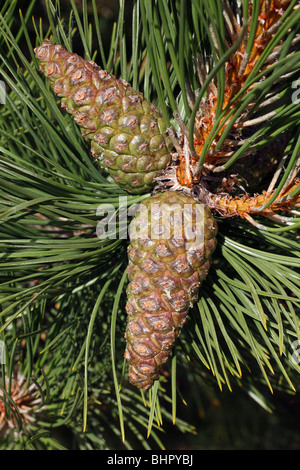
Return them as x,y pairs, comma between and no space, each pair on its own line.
167,265
127,133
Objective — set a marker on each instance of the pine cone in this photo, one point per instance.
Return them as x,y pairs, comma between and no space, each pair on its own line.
127,133
167,264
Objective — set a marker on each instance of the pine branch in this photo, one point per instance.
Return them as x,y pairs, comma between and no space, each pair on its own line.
61,319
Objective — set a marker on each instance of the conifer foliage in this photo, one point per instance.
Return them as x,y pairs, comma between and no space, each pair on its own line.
194,104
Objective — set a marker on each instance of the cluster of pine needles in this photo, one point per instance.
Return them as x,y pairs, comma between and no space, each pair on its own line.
62,289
